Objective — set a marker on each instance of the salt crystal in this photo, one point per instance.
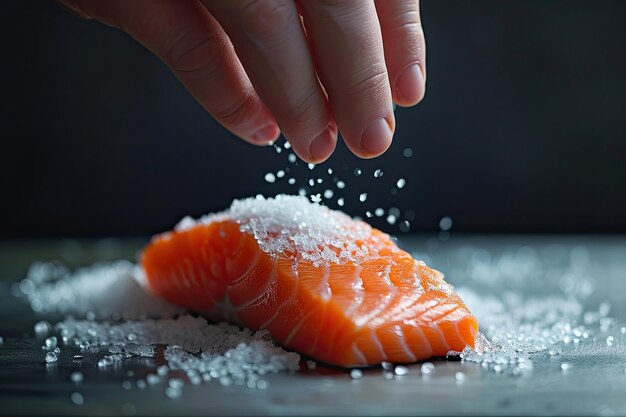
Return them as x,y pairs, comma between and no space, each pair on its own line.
407,152
316,198
76,376
445,224
379,212
341,185
427,368
173,393
311,166
280,174
153,379
357,172
388,366
163,370
42,328
77,398
340,202
301,192
362,197
609,340
269,177
459,376
292,158
261,384
555,350
405,226
328,194
311,182
126,385
378,173
356,374
391,219
51,342
566,366
320,180
51,357
401,370
330,171
176,383
401,183
291,181
287,145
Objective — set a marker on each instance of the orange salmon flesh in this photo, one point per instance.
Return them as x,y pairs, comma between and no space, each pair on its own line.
388,308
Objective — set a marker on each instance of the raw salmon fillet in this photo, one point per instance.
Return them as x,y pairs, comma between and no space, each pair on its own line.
325,285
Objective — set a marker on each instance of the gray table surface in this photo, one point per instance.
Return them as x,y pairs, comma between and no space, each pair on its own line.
596,385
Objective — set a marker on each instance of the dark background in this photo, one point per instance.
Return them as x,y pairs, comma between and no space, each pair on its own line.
522,129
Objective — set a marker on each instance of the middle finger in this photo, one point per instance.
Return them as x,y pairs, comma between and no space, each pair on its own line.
269,40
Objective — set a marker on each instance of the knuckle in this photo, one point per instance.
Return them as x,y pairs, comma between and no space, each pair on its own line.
265,19
368,83
193,53
237,113
342,9
299,113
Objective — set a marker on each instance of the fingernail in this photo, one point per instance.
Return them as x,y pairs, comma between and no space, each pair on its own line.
323,145
376,138
266,134
410,85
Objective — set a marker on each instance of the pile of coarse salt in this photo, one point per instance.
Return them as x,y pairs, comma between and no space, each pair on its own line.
289,224
120,320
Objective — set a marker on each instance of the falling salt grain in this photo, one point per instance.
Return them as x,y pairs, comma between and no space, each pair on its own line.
311,166
362,197
341,185
311,182
280,174
445,223
328,194
357,172
407,152
320,180
401,370
42,328
317,198
77,398
609,340
76,377
287,145
291,181
292,158
51,357
459,376
330,171
401,183
269,177
566,366
428,368
391,219
405,226
340,202
356,374
378,173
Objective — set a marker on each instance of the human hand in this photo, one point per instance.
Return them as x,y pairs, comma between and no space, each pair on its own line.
307,68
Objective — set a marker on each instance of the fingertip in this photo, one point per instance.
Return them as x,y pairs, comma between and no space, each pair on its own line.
377,137
410,86
323,145
265,135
